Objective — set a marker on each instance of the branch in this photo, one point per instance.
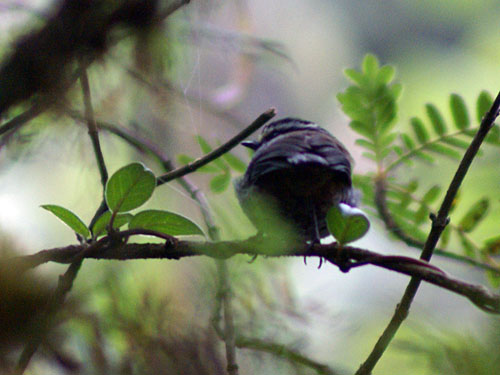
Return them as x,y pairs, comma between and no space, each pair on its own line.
117,250
284,352
394,228
439,222
44,323
200,162
42,60
92,127
50,77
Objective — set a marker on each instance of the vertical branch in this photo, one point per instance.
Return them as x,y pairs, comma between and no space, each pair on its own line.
92,126
65,282
44,322
224,293
439,223
94,137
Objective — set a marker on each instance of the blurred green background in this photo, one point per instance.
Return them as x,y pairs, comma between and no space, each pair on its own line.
211,70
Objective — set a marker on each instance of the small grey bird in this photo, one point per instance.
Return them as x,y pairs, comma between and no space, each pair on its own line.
299,170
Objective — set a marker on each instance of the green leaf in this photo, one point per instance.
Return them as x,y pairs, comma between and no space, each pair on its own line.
421,214
165,222
419,130
387,140
456,142
493,136
425,157
355,76
493,279
468,246
445,237
459,111
234,162
398,150
437,121
129,187
69,218
184,159
432,194
412,186
347,223
483,104
370,65
407,141
365,144
474,216
444,150
362,129
204,145
101,224
385,75
492,246
219,183
396,90
206,148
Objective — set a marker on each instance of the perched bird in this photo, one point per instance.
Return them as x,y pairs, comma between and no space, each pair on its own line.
299,170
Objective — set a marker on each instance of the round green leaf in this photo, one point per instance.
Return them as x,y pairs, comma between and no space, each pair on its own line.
346,223
164,222
101,224
69,218
129,187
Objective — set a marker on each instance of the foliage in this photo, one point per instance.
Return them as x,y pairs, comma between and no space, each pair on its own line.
136,331
127,189
371,103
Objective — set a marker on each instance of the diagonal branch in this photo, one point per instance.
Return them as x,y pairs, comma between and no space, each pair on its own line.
439,223
200,162
394,228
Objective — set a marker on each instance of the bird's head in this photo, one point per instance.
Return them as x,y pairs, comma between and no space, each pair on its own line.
280,127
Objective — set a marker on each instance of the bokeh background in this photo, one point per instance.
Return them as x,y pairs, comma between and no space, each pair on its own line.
211,69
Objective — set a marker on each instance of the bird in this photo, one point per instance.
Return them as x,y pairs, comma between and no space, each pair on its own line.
298,171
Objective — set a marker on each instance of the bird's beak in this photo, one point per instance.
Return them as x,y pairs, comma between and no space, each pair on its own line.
254,145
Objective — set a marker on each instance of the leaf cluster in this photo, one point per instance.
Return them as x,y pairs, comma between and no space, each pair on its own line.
127,189
371,103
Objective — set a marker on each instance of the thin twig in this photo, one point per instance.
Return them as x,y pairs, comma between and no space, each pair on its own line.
56,301
284,352
92,127
439,223
394,228
200,162
15,123
44,102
